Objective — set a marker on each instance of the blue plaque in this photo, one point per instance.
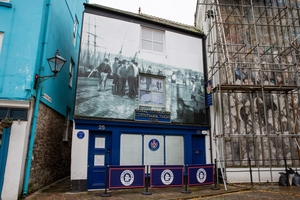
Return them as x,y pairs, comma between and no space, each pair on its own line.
166,176
200,175
126,177
153,144
80,134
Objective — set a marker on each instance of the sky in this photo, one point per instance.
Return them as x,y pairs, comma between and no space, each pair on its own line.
174,10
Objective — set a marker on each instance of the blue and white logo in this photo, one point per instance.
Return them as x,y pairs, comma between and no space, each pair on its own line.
201,175
153,144
167,177
80,134
127,177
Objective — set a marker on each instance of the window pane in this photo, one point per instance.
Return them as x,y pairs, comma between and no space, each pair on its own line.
1,40
174,156
157,98
158,36
154,157
145,97
158,47
146,34
131,149
146,45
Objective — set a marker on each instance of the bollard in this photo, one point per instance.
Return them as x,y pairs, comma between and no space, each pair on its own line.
147,181
215,177
185,191
105,194
250,170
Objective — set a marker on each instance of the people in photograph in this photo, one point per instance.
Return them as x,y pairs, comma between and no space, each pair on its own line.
122,73
173,78
148,83
103,69
115,84
132,72
149,70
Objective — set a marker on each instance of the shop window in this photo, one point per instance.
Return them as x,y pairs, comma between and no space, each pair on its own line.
152,91
15,113
137,149
152,40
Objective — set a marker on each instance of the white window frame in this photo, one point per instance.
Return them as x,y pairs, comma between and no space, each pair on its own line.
75,27
71,72
67,125
152,40
1,40
153,91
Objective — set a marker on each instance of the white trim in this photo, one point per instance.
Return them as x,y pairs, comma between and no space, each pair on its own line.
14,104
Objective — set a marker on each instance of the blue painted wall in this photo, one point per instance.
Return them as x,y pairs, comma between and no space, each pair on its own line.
24,26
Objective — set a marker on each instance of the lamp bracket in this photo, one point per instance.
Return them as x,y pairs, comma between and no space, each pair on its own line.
39,79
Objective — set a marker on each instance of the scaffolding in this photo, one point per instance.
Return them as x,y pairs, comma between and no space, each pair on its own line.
253,59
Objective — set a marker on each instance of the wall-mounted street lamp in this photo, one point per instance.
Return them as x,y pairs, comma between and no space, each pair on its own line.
56,63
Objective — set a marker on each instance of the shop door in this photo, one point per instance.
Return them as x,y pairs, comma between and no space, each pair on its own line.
4,143
198,148
98,159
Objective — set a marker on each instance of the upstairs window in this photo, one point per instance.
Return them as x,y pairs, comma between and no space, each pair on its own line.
71,69
75,31
1,40
153,40
152,91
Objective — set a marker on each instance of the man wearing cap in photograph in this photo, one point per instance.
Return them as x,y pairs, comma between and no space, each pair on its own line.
103,69
115,67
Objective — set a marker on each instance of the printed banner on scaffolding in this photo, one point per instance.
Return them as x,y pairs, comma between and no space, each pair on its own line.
166,176
126,177
200,175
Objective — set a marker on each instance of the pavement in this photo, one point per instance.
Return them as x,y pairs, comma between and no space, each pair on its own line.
62,190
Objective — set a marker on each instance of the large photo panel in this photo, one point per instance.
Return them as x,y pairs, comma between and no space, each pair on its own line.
125,66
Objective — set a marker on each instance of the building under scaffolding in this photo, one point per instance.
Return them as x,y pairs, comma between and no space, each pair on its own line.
253,60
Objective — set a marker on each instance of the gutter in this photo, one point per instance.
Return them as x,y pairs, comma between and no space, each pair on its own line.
37,102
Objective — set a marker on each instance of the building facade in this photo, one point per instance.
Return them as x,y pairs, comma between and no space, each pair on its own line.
253,63
35,150
140,96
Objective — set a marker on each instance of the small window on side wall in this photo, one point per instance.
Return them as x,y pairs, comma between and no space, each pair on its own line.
152,91
71,71
67,125
152,40
1,40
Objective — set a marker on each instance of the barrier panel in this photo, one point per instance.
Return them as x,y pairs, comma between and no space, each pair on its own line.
126,177
166,176
200,174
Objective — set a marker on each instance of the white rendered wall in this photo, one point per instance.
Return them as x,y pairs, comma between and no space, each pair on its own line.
17,152
242,175
79,155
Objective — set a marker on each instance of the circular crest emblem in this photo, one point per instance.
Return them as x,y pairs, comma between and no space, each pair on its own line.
127,177
153,144
80,134
167,177
201,175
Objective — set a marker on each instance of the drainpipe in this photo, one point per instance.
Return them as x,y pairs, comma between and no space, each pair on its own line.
37,101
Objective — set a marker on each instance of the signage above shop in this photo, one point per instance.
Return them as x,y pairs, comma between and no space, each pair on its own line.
152,116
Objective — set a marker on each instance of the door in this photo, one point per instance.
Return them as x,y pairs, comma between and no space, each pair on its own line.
4,143
98,159
198,148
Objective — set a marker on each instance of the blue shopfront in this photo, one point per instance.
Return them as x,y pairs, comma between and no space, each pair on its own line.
137,144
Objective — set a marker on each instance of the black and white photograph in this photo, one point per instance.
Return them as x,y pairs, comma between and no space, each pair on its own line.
117,76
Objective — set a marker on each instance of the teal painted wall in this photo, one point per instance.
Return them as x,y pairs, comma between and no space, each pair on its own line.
24,25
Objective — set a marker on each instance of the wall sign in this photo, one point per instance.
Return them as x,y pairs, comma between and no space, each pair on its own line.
208,93
152,116
80,134
153,144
